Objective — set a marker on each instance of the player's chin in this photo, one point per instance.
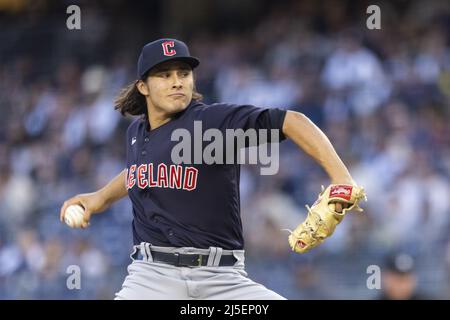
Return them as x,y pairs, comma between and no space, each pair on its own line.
178,105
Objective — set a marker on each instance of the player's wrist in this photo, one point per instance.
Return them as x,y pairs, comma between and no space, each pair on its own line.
105,198
343,180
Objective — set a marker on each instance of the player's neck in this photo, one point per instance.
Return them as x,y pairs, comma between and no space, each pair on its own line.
159,116
157,120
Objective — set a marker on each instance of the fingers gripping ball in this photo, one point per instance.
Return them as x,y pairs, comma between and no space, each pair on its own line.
322,216
73,216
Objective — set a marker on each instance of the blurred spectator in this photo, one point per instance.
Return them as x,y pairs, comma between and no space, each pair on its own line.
355,76
399,280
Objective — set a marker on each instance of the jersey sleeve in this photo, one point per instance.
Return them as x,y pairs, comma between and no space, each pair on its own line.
131,133
228,116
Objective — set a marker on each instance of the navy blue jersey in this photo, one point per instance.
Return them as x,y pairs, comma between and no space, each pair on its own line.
189,205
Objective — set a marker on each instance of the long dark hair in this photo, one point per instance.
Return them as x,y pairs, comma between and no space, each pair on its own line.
131,101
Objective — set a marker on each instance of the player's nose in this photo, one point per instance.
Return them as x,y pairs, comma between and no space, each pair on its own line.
177,83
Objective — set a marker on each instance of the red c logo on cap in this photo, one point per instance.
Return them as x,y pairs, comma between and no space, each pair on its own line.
168,48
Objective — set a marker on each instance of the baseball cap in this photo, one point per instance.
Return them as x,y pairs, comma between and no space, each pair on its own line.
163,50
401,262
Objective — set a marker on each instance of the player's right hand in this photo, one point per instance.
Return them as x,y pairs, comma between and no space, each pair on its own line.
91,202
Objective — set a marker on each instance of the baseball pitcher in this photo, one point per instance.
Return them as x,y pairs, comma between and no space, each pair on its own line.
187,229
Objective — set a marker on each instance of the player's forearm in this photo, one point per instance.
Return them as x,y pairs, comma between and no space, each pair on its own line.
114,190
315,143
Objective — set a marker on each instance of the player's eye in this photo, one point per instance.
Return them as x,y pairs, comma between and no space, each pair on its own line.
163,74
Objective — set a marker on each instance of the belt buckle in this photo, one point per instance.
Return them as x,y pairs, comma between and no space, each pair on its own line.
200,260
178,259
198,264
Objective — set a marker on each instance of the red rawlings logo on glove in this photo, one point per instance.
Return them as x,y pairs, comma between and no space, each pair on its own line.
341,191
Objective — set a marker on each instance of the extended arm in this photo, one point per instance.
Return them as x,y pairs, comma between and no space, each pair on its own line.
100,200
315,143
333,202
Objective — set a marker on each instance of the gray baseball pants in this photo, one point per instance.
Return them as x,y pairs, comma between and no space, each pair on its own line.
148,280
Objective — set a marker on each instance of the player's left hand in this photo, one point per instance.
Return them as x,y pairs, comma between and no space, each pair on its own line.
325,214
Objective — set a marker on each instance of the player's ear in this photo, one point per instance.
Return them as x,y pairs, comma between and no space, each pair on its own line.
142,87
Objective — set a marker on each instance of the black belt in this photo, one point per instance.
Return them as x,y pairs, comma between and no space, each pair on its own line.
187,260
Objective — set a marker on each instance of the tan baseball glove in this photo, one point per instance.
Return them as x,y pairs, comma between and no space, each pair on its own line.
322,218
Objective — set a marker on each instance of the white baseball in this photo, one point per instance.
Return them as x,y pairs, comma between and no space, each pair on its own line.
73,216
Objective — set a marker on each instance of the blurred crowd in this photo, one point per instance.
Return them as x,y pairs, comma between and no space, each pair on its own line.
381,96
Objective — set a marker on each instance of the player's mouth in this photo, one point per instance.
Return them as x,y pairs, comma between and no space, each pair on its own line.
177,95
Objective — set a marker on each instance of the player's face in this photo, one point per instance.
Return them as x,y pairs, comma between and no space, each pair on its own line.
170,86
